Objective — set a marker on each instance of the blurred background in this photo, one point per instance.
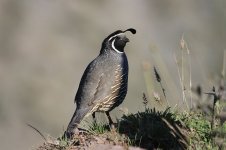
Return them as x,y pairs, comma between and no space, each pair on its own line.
46,45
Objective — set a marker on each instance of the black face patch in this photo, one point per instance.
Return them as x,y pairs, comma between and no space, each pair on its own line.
119,44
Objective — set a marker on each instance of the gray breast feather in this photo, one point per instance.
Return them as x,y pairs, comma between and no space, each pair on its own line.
104,79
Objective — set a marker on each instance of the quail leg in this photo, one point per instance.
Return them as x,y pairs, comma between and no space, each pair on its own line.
94,117
109,118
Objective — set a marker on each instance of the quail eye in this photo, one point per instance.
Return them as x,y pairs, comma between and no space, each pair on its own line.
119,44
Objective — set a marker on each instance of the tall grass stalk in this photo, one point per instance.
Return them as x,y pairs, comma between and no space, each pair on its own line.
184,45
224,65
182,70
158,78
181,82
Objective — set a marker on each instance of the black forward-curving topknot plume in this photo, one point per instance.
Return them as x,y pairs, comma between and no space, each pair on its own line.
131,30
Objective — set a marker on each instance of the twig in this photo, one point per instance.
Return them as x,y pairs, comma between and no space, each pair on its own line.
29,125
216,98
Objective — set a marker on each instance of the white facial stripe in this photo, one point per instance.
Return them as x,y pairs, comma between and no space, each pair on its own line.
115,36
113,46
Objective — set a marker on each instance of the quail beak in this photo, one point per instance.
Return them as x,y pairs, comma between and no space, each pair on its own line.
126,39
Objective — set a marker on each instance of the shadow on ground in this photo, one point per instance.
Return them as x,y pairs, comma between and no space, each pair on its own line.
154,129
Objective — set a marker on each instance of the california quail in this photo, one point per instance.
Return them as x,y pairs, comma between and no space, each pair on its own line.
104,83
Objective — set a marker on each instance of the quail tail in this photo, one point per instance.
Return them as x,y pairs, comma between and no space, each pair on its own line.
73,125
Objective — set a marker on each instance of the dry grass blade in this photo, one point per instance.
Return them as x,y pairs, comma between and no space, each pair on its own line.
177,132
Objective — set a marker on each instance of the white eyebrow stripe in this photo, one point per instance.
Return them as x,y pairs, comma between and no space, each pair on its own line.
115,36
112,45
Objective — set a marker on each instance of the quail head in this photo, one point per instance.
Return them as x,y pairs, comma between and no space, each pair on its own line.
103,85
